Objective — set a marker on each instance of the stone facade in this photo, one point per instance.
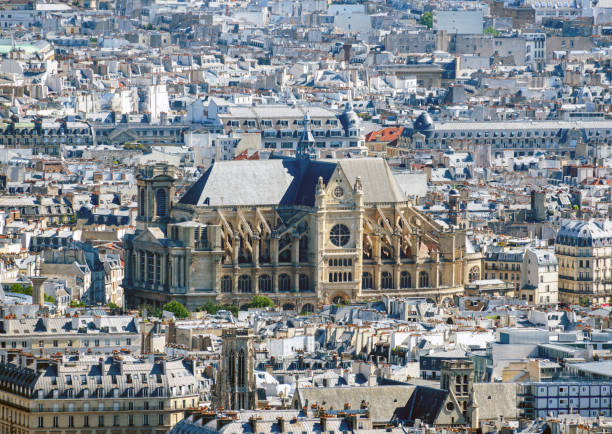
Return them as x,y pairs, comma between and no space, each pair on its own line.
336,231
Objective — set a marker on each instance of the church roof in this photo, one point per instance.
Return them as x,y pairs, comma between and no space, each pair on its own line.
287,181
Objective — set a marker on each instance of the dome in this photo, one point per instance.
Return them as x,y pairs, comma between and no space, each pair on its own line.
423,122
349,118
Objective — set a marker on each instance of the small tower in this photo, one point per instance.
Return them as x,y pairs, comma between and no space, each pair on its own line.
454,205
155,193
457,377
236,387
306,148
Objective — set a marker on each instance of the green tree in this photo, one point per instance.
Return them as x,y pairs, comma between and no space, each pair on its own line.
260,301
112,305
427,19
151,310
20,289
491,31
74,303
177,309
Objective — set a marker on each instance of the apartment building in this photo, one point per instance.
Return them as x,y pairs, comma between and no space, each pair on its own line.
541,399
117,394
45,336
539,277
520,137
43,136
281,126
584,252
504,265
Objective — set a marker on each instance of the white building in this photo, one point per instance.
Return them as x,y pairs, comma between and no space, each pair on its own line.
539,277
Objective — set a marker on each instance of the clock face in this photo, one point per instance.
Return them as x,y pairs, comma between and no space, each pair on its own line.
338,192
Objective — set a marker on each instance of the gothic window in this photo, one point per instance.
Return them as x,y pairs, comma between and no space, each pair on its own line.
405,280
423,279
284,283
158,270
244,283
387,280
150,268
304,283
141,275
241,368
366,281
339,235
265,283
338,192
142,201
226,284
160,202
474,274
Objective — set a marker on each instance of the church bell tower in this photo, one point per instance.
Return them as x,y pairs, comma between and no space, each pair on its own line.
236,387
155,194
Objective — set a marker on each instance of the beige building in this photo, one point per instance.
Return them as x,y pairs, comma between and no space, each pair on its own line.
87,395
539,277
584,253
299,230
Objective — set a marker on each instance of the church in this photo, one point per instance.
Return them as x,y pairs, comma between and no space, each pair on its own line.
300,230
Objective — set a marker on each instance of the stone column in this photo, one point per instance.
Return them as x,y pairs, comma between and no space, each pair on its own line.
155,262
274,249
275,281
396,276
296,281
256,241
295,250
236,247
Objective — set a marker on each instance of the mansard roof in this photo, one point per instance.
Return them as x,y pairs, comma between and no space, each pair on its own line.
288,181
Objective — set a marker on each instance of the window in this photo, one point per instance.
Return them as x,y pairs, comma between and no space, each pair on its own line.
145,419
339,235
405,280
386,280
366,281
161,419
304,283
101,420
475,273
70,421
244,284
40,422
265,283
160,202
226,284
131,420
423,279
86,421
284,283
55,422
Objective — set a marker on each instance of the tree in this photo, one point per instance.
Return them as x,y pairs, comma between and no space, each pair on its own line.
260,301
427,19
491,31
74,303
112,305
212,308
177,309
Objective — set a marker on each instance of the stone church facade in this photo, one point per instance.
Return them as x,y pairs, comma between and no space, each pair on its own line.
301,231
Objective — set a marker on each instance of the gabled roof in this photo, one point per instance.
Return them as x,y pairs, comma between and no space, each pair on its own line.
288,181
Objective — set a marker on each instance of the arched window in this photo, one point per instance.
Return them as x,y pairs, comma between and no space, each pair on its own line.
304,283
474,274
160,203
405,281
366,281
387,280
241,368
284,283
226,284
423,279
458,379
244,283
142,201
265,283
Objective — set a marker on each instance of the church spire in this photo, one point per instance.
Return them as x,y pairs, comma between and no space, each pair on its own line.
306,146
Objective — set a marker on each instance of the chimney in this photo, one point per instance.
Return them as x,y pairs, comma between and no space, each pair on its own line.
281,424
253,422
324,423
